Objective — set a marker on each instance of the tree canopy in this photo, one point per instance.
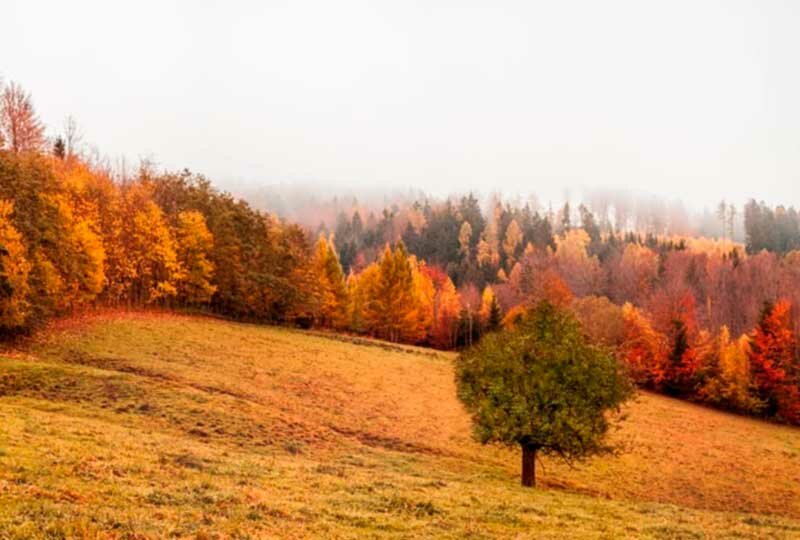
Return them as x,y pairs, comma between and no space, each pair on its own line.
542,386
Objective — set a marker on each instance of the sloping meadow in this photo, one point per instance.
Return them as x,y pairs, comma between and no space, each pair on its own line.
146,426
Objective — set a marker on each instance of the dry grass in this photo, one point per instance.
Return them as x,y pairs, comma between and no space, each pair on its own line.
150,426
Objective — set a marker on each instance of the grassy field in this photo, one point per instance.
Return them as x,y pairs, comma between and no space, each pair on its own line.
153,426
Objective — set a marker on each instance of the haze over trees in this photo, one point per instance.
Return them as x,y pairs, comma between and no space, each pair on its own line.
772,229
705,319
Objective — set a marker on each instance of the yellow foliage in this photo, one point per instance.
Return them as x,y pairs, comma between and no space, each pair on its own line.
643,348
602,320
392,308
580,271
487,297
194,242
144,265
329,290
514,315
511,242
359,288
14,270
464,236
90,246
501,274
731,382
424,298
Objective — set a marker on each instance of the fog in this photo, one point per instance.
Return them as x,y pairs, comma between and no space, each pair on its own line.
693,100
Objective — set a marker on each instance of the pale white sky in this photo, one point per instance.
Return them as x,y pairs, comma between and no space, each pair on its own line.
697,99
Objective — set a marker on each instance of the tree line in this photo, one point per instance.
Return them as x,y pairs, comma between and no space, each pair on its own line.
691,317
699,318
74,233
72,236
772,229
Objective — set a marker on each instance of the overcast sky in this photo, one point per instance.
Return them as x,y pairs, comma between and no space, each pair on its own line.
697,99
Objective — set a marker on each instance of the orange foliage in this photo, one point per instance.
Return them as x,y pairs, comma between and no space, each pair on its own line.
643,348
773,358
513,316
601,320
728,378
678,373
446,308
487,297
555,290
14,270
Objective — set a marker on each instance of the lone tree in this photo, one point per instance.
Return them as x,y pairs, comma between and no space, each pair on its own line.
542,386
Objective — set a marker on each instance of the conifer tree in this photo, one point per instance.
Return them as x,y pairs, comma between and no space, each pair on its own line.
424,300
391,311
338,286
495,316
487,296
360,288
330,288
511,243
464,239
59,148
728,381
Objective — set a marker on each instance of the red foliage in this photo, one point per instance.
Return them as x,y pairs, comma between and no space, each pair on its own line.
774,364
642,347
436,274
555,290
446,308
678,374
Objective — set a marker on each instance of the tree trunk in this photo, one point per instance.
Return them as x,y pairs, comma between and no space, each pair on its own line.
528,465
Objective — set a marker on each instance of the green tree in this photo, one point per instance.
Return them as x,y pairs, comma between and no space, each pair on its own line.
59,149
540,385
495,316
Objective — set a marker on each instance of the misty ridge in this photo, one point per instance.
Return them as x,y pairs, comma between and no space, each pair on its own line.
399,270
319,207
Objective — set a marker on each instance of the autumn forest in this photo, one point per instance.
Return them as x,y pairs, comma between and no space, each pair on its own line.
706,319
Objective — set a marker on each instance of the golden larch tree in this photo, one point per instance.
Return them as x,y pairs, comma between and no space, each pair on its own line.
329,294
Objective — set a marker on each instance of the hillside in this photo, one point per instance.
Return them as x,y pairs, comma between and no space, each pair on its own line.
149,426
